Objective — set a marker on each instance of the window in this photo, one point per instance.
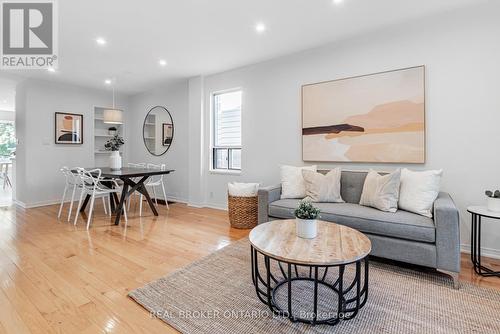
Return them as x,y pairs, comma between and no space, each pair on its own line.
226,131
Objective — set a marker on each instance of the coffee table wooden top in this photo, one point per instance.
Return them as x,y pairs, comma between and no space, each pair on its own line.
335,244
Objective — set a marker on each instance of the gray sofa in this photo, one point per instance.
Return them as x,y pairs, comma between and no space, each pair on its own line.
401,236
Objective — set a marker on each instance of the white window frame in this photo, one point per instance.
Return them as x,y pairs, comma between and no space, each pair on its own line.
212,168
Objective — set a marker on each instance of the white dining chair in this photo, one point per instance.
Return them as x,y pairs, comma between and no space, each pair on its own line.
91,184
72,181
153,182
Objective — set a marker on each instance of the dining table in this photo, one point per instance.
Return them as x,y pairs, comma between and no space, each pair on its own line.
134,179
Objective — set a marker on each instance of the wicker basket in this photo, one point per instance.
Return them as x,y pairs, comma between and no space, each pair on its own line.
243,211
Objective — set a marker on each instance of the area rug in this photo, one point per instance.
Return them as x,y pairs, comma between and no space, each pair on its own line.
216,295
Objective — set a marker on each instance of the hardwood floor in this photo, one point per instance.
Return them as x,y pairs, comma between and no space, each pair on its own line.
57,278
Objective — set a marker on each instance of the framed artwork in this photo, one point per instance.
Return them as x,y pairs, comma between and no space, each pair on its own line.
167,134
372,118
68,128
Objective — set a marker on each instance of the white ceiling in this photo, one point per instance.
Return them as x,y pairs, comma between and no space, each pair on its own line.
206,36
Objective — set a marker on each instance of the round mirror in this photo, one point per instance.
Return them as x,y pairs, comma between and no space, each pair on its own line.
158,130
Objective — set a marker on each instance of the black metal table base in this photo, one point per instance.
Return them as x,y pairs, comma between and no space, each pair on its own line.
345,294
129,186
475,248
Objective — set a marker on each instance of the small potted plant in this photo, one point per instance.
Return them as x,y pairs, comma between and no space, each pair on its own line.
113,145
112,131
306,215
493,200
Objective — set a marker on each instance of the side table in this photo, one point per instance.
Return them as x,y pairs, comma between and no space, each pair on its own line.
477,213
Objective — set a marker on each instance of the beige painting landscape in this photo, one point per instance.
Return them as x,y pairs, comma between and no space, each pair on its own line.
373,118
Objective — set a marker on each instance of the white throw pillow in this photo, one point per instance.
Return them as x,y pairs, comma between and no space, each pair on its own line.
323,188
292,182
419,190
243,189
381,191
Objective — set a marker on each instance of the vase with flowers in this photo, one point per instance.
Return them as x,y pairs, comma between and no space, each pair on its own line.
113,145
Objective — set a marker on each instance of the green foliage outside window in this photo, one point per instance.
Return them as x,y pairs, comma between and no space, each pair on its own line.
7,139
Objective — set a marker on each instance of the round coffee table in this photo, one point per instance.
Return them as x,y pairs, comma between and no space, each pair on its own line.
314,281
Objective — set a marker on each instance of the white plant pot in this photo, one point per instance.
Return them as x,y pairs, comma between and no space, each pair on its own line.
493,204
306,228
115,160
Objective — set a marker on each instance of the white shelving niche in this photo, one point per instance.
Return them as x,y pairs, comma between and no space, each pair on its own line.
101,136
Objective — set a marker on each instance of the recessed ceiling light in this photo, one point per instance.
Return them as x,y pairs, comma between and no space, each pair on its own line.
100,41
162,62
4,101
51,69
338,2
107,81
260,27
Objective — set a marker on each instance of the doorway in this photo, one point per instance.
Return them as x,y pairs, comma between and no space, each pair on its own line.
7,146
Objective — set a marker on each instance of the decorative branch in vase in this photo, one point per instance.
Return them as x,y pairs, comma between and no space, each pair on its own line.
113,145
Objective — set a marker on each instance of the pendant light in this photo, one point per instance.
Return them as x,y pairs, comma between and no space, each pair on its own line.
113,115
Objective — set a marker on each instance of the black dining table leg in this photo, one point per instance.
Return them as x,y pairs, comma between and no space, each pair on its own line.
114,201
119,209
141,188
134,186
85,202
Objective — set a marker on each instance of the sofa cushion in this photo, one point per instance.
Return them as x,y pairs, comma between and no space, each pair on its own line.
292,182
419,190
351,185
381,191
401,224
323,187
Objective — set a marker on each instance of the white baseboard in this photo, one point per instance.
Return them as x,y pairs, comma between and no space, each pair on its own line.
195,205
19,203
207,205
216,206
58,201
177,199
488,252
37,204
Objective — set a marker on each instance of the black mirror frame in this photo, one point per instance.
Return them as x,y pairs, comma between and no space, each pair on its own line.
144,126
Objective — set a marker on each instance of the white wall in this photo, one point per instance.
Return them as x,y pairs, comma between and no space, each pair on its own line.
461,53
174,97
38,157
197,148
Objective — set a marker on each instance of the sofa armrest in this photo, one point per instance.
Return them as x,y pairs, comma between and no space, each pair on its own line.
267,195
447,222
